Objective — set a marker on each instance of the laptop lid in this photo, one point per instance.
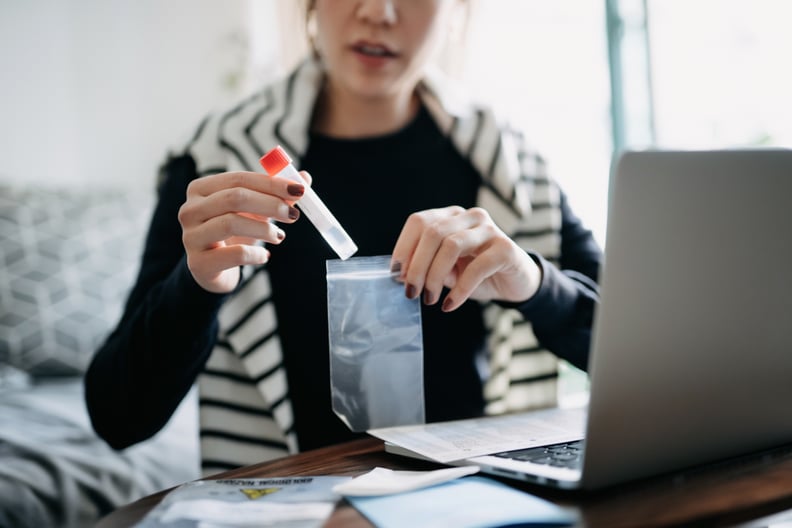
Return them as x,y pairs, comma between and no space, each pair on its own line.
692,349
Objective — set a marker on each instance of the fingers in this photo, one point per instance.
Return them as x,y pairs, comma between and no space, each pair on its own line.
415,228
237,192
238,200
224,217
237,204
217,270
478,270
226,257
307,177
228,228
451,266
282,187
462,250
434,243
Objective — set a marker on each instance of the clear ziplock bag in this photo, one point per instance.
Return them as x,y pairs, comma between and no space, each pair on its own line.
376,345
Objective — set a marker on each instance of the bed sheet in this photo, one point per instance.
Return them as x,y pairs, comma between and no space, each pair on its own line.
56,472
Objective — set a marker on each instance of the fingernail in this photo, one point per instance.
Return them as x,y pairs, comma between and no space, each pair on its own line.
428,297
294,214
295,189
280,234
396,267
447,303
410,291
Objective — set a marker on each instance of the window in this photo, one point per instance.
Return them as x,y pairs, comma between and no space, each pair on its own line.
546,66
721,74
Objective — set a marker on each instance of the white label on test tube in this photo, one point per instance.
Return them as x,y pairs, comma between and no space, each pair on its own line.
276,161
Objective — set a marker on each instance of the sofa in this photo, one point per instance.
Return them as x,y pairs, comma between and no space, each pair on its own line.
68,257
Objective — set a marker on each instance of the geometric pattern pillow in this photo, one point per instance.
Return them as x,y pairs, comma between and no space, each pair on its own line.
68,258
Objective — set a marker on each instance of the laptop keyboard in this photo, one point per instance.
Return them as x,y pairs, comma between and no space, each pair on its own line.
567,454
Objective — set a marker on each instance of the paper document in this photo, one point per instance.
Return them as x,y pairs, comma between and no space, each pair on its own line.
296,502
460,439
470,502
384,481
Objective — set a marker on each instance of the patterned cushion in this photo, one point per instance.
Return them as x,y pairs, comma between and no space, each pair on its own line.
67,261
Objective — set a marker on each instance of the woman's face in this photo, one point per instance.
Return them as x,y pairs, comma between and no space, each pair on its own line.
378,48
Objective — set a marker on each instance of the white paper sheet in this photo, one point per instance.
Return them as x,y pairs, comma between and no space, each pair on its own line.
384,481
294,501
460,439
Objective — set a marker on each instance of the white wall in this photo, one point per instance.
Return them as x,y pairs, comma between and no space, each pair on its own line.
96,91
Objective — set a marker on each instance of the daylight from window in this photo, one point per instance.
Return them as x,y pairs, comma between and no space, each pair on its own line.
721,73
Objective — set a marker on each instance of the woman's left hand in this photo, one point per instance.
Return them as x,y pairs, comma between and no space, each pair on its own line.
463,250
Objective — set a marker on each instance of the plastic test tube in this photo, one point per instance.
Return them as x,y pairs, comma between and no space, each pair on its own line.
276,161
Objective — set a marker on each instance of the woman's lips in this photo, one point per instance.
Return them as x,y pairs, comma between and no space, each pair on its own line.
373,54
376,50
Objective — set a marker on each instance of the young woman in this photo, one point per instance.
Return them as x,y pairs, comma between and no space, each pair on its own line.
232,290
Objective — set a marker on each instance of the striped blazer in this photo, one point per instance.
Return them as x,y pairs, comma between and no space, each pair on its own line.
245,414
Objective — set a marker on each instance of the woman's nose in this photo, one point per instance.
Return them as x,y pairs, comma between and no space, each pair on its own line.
378,11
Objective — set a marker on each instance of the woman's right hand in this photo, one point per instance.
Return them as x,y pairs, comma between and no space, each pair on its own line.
224,217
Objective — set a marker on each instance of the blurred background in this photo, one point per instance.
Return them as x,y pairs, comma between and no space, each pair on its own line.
94,94
95,91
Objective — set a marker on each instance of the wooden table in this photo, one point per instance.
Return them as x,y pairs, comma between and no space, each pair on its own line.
726,496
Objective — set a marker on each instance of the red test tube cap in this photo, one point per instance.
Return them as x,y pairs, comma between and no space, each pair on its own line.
275,160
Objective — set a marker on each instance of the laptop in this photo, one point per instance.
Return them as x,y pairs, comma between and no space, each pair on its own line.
691,356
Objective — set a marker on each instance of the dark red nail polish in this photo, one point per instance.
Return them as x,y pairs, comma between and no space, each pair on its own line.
410,291
295,189
294,214
280,234
428,297
447,304
396,267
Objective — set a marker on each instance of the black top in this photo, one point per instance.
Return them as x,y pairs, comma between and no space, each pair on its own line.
371,185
